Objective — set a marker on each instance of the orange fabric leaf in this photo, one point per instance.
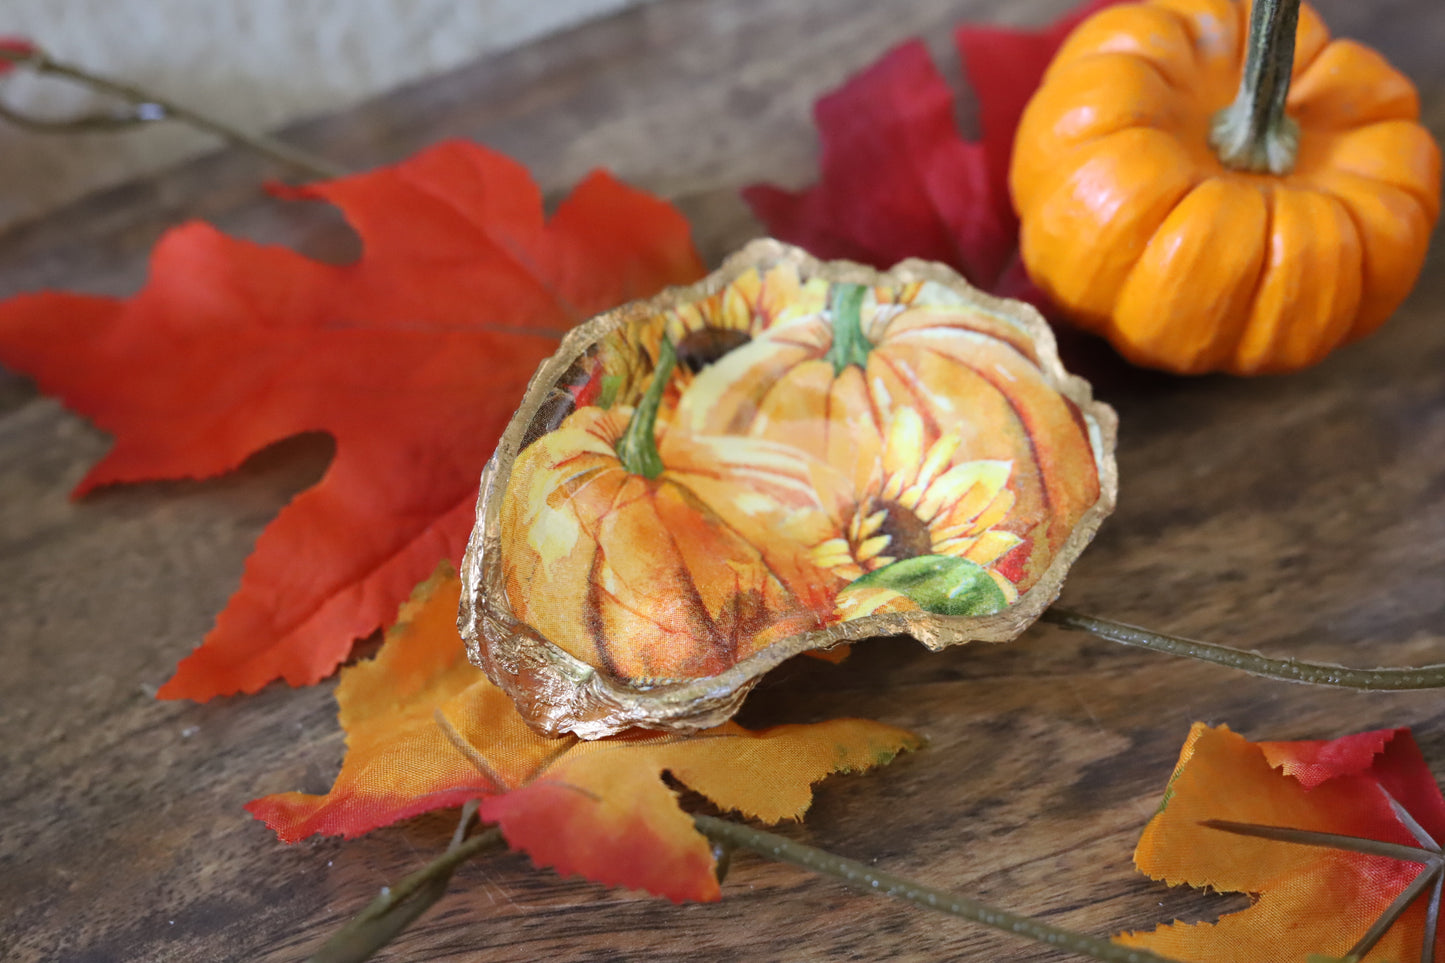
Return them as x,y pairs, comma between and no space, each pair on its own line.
603,812
398,762
1311,900
412,358
599,809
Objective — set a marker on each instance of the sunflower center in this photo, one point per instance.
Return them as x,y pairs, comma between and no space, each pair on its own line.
908,535
702,347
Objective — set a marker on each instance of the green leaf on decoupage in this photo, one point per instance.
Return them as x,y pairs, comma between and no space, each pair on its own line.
943,584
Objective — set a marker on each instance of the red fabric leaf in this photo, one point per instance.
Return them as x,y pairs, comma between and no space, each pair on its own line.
412,358
1315,760
638,838
897,180
17,45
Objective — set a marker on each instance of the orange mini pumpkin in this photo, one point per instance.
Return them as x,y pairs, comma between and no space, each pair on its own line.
1200,229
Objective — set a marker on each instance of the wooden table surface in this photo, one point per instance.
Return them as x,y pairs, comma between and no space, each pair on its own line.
1299,515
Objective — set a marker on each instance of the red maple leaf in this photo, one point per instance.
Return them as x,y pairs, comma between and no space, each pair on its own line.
898,180
413,358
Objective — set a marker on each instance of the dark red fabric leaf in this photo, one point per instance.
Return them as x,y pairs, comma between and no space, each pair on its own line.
897,179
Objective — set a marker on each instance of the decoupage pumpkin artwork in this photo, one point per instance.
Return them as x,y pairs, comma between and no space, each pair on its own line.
662,571
1212,189
876,387
788,455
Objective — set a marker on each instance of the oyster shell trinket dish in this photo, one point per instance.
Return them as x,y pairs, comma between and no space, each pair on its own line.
788,455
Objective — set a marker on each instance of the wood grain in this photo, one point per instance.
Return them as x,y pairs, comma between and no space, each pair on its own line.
1300,515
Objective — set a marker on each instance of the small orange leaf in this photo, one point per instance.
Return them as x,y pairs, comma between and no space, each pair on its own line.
602,811
398,762
426,730
1311,900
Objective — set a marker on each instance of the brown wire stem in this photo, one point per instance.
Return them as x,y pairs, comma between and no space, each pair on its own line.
868,880
396,908
392,912
1431,876
1287,670
146,107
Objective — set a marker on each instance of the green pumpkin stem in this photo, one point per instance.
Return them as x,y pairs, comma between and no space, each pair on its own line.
1254,133
637,448
849,345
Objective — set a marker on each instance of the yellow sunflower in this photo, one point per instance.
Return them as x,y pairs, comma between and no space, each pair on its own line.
919,499
755,301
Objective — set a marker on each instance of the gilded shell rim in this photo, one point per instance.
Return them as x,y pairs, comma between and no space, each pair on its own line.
557,693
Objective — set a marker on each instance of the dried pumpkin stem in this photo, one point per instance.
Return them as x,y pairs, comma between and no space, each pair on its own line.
868,880
637,448
147,107
1287,670
849,344
1254,133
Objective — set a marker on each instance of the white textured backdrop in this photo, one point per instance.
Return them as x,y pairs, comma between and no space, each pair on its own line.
258,63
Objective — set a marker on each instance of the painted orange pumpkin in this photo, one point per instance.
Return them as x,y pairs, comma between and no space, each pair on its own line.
661,565
1213,192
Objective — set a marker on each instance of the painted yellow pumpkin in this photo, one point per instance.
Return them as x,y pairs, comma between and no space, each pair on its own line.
830,383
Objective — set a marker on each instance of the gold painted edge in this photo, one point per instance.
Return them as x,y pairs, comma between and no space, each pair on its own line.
556,693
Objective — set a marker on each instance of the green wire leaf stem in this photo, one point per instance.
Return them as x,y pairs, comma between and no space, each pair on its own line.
1287,670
